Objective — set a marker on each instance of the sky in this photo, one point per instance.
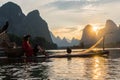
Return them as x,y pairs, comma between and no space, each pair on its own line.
67,18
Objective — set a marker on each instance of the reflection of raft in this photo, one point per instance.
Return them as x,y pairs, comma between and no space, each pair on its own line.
13,52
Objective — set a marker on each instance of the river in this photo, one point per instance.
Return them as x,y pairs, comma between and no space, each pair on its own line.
78,68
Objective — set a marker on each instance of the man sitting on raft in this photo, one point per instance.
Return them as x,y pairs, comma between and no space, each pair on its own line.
39,49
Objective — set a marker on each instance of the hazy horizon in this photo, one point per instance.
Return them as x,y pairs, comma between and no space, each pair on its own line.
66,18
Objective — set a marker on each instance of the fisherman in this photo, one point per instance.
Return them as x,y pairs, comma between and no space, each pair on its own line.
27,46
69,50
39,49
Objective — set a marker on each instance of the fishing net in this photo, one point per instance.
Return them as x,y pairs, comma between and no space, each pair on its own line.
4,36
91,48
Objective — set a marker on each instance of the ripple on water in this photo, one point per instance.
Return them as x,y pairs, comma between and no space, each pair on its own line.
94,68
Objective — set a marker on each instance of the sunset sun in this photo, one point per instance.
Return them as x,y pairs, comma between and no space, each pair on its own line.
95,28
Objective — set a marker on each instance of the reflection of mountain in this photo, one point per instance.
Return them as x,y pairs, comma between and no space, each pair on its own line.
111,32
64,42
20,24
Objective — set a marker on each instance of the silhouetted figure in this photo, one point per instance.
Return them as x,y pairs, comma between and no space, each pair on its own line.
35,50
39,49
69,50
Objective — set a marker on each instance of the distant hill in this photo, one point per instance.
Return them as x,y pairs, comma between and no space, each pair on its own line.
20,24
75,42
64,42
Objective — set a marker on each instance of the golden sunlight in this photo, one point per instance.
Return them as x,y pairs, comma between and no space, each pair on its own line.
95,28
65,32
99,69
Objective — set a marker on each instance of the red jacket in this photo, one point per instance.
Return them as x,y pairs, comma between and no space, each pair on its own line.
27,48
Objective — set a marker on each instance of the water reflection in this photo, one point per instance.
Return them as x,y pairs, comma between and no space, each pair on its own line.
22,71
99,70
93,68
79,68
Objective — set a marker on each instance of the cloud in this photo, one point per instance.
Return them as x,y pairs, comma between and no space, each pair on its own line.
68,32
78,5
72,29
28,5
67,29
67,5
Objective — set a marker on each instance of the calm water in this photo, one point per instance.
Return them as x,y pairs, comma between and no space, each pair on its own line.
93,68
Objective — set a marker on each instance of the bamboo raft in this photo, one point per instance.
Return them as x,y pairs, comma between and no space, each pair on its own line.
100,53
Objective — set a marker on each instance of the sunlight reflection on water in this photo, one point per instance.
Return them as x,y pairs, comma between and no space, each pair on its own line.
78,68
94,68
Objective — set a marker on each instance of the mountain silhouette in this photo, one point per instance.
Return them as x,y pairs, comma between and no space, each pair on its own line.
111,32
89,37
110,27
20,24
